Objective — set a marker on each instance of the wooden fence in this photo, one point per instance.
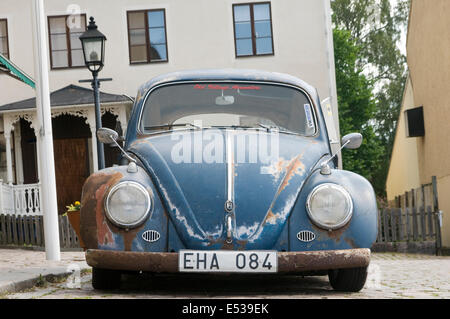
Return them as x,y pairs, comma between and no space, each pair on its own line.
28,231
413,217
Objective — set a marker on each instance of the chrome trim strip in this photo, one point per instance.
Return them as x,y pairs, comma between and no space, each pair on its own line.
229,228
230,166
230,183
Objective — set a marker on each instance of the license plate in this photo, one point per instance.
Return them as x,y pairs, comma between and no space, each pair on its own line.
228,261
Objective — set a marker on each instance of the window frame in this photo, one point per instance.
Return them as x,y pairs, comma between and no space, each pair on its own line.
7,37
252,24
415,128
69,48
314,109
147,37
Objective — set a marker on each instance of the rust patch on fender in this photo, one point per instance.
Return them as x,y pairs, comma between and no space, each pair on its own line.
336,235
296,167
104,235
351,242
91,203
97,228
270,215
277,168
127,235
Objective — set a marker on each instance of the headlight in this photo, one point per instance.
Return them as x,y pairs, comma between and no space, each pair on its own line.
329,206
128,204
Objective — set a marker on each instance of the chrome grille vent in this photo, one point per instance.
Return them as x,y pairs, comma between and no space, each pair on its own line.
151,236
306,236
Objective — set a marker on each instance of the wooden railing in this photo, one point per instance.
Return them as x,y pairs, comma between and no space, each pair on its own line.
20,200
22,220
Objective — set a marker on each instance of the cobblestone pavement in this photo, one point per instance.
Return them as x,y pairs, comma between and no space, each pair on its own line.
18,258
390,276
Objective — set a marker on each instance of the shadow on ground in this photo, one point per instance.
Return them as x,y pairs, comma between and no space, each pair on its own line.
223,285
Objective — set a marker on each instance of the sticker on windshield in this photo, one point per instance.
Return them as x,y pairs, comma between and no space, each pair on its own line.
309,118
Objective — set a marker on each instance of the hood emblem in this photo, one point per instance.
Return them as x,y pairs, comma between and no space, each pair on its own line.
229,206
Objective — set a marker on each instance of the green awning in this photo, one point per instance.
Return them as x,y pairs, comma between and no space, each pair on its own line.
12,70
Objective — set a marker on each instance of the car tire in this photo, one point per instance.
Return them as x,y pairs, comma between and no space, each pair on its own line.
349,280
105,278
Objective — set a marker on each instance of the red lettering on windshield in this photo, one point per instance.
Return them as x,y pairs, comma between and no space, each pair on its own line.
225,87
252,87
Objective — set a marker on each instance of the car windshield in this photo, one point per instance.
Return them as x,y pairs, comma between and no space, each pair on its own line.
228,105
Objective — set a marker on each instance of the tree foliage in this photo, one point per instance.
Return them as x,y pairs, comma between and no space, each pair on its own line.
356,106
373,28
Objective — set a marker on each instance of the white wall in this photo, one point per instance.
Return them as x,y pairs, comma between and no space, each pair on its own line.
199,35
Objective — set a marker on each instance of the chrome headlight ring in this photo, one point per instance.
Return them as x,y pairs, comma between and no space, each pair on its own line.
329,206
128,204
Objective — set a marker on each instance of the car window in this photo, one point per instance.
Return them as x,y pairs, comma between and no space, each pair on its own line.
235,105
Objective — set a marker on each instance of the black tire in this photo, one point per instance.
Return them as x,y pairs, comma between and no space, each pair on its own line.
105,278
349,280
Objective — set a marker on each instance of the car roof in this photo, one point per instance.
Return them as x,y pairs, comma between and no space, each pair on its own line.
228,74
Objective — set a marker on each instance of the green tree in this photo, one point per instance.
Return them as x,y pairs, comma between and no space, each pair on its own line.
375,27
356,106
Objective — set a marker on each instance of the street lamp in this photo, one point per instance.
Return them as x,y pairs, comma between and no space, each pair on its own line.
93,43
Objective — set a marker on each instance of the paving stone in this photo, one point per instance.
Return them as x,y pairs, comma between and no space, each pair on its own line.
391,276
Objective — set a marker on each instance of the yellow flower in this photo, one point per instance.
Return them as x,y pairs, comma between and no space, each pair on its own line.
77,203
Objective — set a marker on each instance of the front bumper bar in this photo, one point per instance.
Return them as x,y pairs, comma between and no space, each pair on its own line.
288,262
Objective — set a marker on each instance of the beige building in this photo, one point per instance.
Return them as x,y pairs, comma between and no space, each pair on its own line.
427,153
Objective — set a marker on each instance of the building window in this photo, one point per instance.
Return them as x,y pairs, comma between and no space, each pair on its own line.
65,46
253,29
4,46
415,125
147,37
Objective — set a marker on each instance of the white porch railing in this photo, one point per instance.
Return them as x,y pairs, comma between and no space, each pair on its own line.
21,200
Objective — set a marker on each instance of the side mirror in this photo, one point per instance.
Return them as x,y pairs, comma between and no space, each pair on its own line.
352,141
107,136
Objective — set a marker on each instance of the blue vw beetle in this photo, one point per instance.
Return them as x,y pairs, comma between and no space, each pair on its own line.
228,171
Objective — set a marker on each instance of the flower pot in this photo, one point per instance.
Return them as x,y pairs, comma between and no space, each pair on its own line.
74,219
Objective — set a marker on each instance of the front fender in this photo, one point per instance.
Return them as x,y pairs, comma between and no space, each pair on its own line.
98,232
359,232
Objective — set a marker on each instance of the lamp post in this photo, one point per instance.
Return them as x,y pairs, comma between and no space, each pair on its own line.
93,43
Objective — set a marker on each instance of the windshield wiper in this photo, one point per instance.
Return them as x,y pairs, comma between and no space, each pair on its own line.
232,126
171,125
268,128
273,128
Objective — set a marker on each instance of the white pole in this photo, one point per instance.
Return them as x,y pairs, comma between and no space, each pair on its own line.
8,157
44,129
332,90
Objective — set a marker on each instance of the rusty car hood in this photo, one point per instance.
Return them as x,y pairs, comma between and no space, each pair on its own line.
194,187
